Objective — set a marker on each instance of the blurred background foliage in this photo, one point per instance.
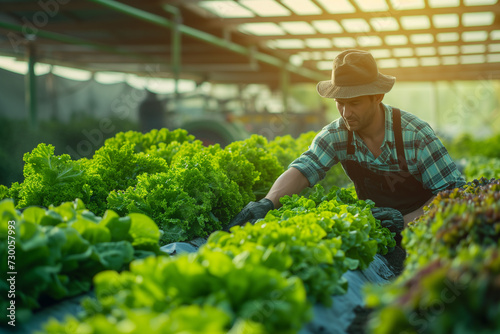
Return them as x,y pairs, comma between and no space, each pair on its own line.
464,114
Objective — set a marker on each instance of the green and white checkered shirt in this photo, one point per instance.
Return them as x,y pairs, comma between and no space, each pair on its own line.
428,160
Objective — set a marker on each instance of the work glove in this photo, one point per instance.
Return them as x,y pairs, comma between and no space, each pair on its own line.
251,212
390,218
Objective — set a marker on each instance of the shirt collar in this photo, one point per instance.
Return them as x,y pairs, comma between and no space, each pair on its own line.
389,133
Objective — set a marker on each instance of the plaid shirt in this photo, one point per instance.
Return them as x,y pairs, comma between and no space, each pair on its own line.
428,160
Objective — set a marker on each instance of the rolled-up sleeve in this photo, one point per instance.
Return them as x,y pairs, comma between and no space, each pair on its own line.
319,158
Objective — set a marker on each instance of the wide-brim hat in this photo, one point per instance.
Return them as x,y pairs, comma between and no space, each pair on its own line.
355,73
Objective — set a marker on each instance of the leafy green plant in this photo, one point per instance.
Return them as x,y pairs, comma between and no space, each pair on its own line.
149,142
58,250
192,199
316,239
478,167
455,220
200,291
183,319
450,281
49,179
72,137
255,149
465,145
443,296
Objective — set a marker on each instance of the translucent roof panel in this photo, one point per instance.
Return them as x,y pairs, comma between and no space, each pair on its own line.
344,42
444,37
327,26
443,3
330,54
369,41
387,63
402,52
408,62
425,51
381,53
421,38
450,60
495,35
316,55
372,5
478,19
479,2
355,25
259,35
472,59
324,65
304,55
290,43
266,8
296,60
445,20
298,28
337,6
262,29
415,22
448,50
429,61
318,42
384,23
302,7
396,40
494,48
474,48
71,73
226,9
474,36
407,4
493,58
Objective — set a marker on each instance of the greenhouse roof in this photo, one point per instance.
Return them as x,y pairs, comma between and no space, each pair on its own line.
254,41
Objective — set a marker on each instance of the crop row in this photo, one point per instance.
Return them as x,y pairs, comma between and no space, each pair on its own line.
145,190
451,281
57,251
188,189
260,278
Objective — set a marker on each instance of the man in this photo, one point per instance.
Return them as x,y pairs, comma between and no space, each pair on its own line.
392,157
152,112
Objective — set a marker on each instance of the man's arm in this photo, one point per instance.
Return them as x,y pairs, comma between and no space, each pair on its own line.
291,182
417,213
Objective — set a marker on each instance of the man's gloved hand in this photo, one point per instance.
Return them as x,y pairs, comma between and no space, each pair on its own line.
390,218
251,212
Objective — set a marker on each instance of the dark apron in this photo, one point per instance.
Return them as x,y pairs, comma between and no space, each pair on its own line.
398,190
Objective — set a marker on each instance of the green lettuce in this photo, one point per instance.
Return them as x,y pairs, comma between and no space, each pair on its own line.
202,292
59,250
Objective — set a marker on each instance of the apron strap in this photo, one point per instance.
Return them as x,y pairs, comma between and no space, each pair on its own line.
350,145
398,137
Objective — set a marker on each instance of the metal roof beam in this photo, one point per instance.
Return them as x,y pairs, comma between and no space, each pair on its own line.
17,41
381,34
397,14
205,37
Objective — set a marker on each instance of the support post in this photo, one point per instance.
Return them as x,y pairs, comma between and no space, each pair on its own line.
436,118
176,46
176,54
285,85
30,86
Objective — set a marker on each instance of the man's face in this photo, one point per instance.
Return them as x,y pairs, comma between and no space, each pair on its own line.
358,112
